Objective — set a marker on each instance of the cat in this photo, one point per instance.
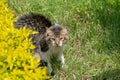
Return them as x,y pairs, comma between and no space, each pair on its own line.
37,22
50,40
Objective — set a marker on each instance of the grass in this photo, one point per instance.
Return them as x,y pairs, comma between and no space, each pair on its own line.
93,51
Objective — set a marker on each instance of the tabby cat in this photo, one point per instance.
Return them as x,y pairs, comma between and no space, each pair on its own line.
50,40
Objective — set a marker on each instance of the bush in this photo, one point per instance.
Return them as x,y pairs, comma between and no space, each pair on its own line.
16,61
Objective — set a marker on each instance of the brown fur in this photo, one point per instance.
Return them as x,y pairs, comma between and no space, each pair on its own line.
56,33
49,41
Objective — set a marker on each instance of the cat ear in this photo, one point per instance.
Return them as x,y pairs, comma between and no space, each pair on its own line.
65,33
48,31
64,30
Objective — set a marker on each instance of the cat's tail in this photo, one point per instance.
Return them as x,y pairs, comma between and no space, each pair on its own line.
33,21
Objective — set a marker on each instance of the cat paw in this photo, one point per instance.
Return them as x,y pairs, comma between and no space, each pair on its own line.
64,67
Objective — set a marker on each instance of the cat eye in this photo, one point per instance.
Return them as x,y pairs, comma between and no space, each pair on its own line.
47,34
61,38
52,38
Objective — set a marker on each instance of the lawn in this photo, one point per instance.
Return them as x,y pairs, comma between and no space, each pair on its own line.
93,51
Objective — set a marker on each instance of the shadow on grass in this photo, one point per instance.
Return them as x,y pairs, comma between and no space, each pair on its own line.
109,18
108,75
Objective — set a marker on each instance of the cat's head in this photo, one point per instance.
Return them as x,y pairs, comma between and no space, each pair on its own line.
56,35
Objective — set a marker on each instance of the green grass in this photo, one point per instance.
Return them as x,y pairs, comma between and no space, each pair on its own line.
93,51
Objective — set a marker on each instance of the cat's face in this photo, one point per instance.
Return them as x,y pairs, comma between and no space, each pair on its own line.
56,36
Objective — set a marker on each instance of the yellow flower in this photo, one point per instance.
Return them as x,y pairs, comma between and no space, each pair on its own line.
16,61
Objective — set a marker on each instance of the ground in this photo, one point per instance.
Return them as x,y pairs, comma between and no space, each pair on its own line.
93,50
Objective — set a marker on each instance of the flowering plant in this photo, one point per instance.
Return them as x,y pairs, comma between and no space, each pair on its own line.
16,60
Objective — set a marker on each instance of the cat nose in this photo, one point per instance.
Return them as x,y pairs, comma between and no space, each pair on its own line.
57,43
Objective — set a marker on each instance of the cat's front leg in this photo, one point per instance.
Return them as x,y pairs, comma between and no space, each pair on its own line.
61,58
45,57
49,68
